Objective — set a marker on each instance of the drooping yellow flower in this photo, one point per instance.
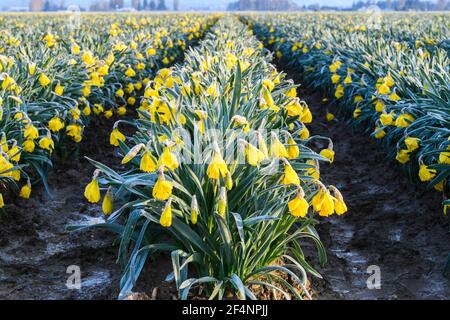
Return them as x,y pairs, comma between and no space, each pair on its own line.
412,143
92,191
384,89
387,119
439,186
330,116
394,97
28,146
74,131
108,114
379,106
292,149
14,153
339,93
404,120
444,157
290,176
166,216
379,133
277,149
402,156
212,90
254,155
335,78
267,101
168,159
121,111
303,133
339,204
115,137
59,90
306,116
162,189
2,203
47,143
298,206
25,191
323,202
148,162
217,168
426,174
356,113
31,132
358,98
44,80
291,93
328,153
269,84
55,124
335,66
348,79
87,110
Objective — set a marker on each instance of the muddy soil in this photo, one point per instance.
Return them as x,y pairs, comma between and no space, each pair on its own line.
35,249
390,223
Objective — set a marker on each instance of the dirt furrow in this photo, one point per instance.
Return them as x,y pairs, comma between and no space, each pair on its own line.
391,223
35,249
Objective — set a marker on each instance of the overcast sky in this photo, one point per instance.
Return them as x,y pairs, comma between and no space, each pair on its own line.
184,4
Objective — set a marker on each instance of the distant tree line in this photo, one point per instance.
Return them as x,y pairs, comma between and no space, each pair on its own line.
285,5
105,5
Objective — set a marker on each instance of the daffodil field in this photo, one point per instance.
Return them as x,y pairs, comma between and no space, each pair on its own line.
389,73
216,165
55,78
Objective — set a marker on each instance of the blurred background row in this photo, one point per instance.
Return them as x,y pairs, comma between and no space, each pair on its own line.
222,5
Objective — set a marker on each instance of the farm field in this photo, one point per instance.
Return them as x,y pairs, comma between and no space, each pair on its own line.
225,156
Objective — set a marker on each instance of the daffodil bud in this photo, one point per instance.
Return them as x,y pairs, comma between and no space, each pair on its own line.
222,207
132,153
194,210
108,203
229,181
166,216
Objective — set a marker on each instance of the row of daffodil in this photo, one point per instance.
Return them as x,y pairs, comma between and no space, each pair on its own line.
391,76
55,74
239,224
